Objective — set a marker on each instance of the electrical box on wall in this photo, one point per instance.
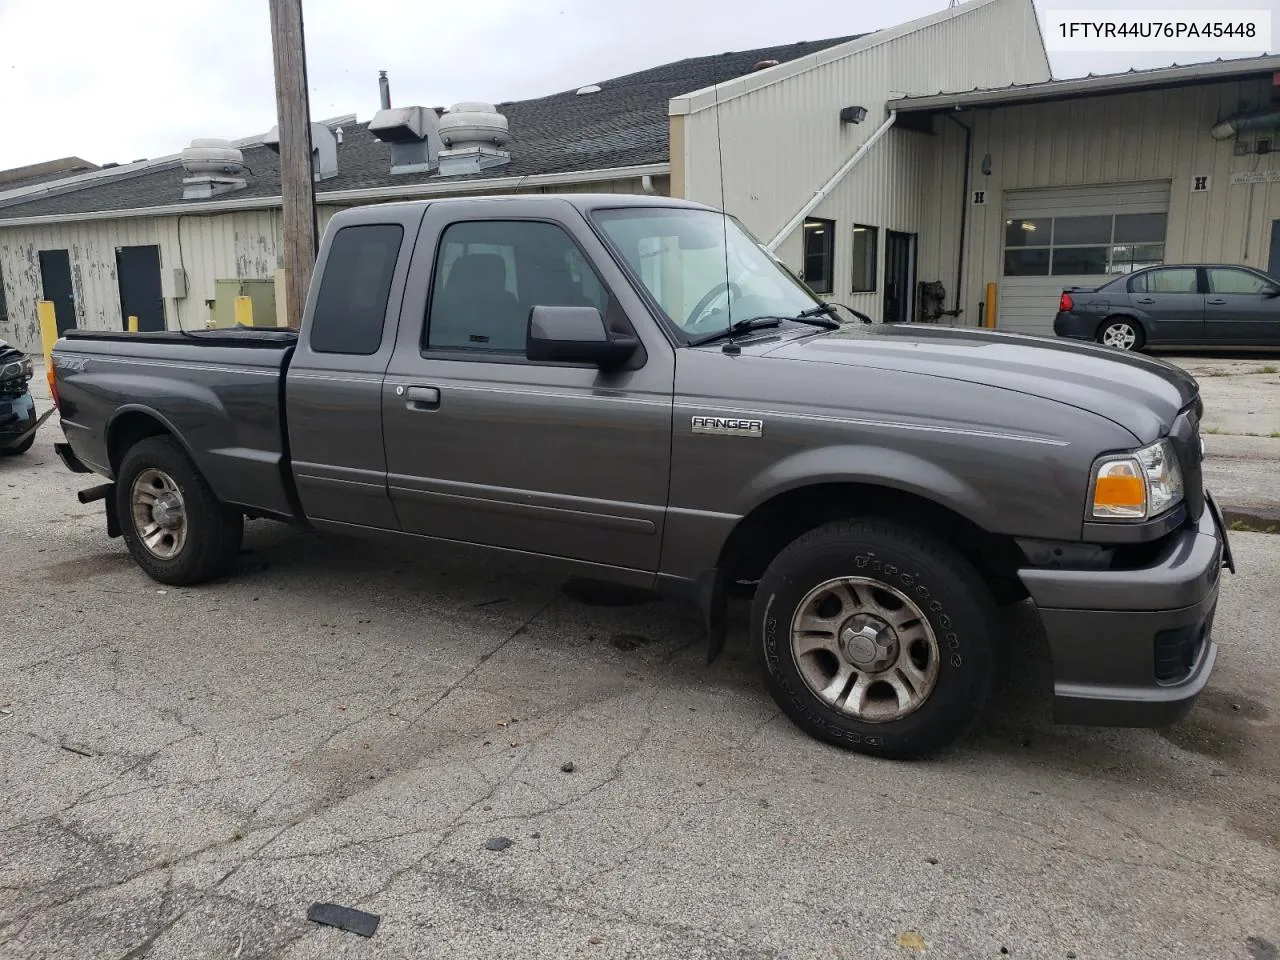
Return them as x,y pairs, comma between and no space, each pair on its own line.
174,283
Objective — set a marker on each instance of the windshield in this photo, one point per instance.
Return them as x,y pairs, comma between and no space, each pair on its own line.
703,268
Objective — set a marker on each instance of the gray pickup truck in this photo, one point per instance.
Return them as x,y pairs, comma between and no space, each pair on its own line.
635,388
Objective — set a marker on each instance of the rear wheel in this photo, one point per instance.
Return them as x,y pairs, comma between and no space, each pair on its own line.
1120,333
174,525
875,637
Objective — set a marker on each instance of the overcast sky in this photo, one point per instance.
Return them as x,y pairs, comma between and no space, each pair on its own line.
119,81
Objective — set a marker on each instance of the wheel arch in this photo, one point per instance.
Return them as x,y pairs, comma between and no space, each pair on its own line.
132,424
790,513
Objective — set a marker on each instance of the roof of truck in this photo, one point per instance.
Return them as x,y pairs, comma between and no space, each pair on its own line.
623,125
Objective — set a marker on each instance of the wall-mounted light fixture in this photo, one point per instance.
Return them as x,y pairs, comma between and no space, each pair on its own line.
853,114
986,164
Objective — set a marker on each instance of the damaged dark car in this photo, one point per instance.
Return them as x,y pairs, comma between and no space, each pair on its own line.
18,421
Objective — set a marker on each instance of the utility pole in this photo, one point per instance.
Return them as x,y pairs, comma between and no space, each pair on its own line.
297,189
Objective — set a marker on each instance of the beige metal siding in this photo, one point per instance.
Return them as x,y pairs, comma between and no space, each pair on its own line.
244,245
1114,140
91,249
782,140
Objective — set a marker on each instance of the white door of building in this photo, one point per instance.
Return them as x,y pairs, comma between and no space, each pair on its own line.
1074,237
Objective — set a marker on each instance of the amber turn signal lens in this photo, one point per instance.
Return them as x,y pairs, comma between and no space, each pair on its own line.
1120,490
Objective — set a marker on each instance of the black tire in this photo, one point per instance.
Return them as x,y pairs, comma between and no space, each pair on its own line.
21,448
213,530
1132,329
946,589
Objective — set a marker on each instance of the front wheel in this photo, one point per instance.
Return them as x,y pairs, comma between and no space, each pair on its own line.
1121,334
175,527
875,637
21,448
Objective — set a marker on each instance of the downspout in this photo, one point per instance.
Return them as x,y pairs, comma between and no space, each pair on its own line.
826,188
964,207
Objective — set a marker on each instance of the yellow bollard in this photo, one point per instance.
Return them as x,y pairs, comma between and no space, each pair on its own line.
244,311
48,318
48,329
133,324
989,321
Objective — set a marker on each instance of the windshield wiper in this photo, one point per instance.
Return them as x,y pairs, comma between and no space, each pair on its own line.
737,327
811,317
822,308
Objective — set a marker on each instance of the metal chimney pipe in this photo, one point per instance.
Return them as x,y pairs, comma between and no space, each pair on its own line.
384,90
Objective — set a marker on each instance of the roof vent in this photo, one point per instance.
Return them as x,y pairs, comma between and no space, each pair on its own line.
213,167
589,88
764,65
414,135
324,150
475,135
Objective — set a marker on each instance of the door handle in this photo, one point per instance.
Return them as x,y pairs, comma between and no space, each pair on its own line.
422,398
1146,299
1217,301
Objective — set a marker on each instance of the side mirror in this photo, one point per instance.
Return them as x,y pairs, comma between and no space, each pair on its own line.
1270,293
575,335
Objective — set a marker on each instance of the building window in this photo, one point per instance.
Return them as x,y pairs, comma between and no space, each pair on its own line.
819,255
491,273
1083,246
865,242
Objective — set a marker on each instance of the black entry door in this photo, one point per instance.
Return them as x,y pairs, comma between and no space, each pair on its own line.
1273,267
899,276
138,273
55,281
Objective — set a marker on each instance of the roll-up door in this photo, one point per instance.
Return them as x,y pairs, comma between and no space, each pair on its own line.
1074,237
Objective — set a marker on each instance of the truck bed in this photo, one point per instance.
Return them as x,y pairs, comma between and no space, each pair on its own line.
221,392
265,338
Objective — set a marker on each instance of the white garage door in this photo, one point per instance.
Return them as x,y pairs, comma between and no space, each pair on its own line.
1074,236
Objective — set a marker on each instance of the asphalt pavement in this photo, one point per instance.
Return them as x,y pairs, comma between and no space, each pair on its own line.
186,771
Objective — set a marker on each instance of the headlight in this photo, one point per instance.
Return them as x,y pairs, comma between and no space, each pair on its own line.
1136,485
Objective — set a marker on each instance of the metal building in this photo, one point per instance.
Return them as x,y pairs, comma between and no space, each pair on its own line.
1071,181
907,203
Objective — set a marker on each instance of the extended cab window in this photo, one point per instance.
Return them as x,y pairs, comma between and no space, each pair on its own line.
351,306
490,273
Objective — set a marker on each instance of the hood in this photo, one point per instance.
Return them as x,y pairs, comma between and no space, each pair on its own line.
1139,393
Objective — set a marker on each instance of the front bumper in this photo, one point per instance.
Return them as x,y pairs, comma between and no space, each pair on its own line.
1134,648
18,420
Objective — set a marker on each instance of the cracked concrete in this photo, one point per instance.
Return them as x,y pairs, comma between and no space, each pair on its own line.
346,722
1241,433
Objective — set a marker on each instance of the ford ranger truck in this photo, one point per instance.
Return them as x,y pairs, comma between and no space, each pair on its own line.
633,388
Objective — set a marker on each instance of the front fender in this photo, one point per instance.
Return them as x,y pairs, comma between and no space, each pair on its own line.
870,464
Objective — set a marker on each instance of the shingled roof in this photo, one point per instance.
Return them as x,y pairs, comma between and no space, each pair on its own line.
625,124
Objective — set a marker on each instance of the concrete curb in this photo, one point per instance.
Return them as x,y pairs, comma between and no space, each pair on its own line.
1251,519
